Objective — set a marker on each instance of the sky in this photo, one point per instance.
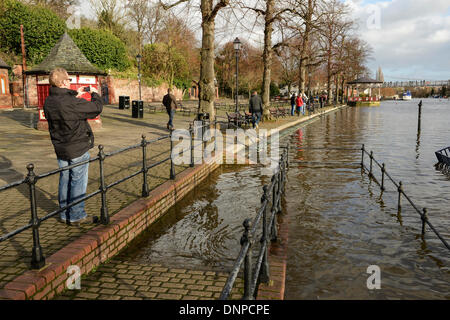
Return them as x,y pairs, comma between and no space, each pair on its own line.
410,38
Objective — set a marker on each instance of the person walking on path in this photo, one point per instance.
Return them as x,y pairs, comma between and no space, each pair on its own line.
67,114
293,98
256,109
299,104
170,102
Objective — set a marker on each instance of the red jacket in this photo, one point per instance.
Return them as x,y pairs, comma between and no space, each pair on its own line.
299,101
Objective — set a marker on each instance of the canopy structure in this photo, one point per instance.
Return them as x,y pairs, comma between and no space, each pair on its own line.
365,98
65,54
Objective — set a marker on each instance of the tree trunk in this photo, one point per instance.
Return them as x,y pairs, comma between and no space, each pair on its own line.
267,57
206,83
304,59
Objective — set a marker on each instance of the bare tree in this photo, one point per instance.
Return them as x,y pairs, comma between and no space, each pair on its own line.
110,15
137,10
333,29
272,11
207,90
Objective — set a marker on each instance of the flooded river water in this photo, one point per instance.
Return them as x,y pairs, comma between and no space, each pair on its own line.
340,223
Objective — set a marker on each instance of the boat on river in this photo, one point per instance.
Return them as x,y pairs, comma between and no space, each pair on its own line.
407,95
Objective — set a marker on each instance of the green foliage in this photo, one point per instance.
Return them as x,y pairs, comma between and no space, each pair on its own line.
101,48
163,62
274,90
42,29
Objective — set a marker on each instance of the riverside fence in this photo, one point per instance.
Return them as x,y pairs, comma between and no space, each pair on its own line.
401,193
256,272
31,180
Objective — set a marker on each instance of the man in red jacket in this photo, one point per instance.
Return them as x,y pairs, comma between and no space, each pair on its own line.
72,138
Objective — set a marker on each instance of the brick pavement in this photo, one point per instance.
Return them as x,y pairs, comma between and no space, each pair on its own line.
121,280
20,144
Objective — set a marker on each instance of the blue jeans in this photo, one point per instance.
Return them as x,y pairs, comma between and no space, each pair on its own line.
171,115
292,109
72,187
256,118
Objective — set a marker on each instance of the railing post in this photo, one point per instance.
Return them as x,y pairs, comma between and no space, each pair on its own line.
264,273
247,263
400,190
104,215
383,170
191,132
37,258
145,190
274,230
362,157
371,164
424,218
203,133
172,168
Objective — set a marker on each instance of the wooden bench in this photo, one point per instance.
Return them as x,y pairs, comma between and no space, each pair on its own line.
186,111
282,112
274,112
151,109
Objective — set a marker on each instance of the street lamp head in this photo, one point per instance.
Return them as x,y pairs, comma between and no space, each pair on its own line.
139,58
237,44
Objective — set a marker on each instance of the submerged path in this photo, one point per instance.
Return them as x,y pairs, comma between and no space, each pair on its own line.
21,144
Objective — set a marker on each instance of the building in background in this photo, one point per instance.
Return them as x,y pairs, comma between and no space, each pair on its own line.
65,54
5,94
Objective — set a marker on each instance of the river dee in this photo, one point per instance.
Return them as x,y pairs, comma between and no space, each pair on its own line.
339,222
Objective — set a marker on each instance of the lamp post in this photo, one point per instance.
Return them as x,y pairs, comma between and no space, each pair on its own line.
237,48
139,58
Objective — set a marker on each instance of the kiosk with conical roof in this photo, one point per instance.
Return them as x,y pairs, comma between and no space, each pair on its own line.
65,54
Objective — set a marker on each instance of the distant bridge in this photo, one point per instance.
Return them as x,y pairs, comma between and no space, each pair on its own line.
416,83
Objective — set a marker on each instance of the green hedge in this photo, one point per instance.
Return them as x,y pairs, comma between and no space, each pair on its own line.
42,29
101,48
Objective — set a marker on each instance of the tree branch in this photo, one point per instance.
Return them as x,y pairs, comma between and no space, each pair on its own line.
169,6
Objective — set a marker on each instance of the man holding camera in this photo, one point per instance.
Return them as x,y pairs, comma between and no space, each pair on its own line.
72,137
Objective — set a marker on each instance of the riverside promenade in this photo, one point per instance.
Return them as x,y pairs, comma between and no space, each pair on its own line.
104,278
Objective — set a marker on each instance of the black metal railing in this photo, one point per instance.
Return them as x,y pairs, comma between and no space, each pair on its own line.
443,157
399,186
258,272
31,180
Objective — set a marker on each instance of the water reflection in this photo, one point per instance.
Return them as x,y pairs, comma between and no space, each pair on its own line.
342,222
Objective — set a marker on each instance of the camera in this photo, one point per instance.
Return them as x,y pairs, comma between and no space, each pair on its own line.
87,89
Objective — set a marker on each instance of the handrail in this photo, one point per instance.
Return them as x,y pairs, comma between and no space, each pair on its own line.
259,272
38,259
399,187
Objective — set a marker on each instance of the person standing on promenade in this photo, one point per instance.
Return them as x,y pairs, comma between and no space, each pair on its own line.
293,97
170,102
72,137
256,109
299,103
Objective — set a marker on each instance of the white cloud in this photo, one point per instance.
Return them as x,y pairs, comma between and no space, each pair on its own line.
413,39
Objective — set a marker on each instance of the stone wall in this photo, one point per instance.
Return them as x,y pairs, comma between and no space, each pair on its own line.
126,87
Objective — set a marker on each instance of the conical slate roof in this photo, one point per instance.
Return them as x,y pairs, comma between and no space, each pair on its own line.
3,65
65,54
